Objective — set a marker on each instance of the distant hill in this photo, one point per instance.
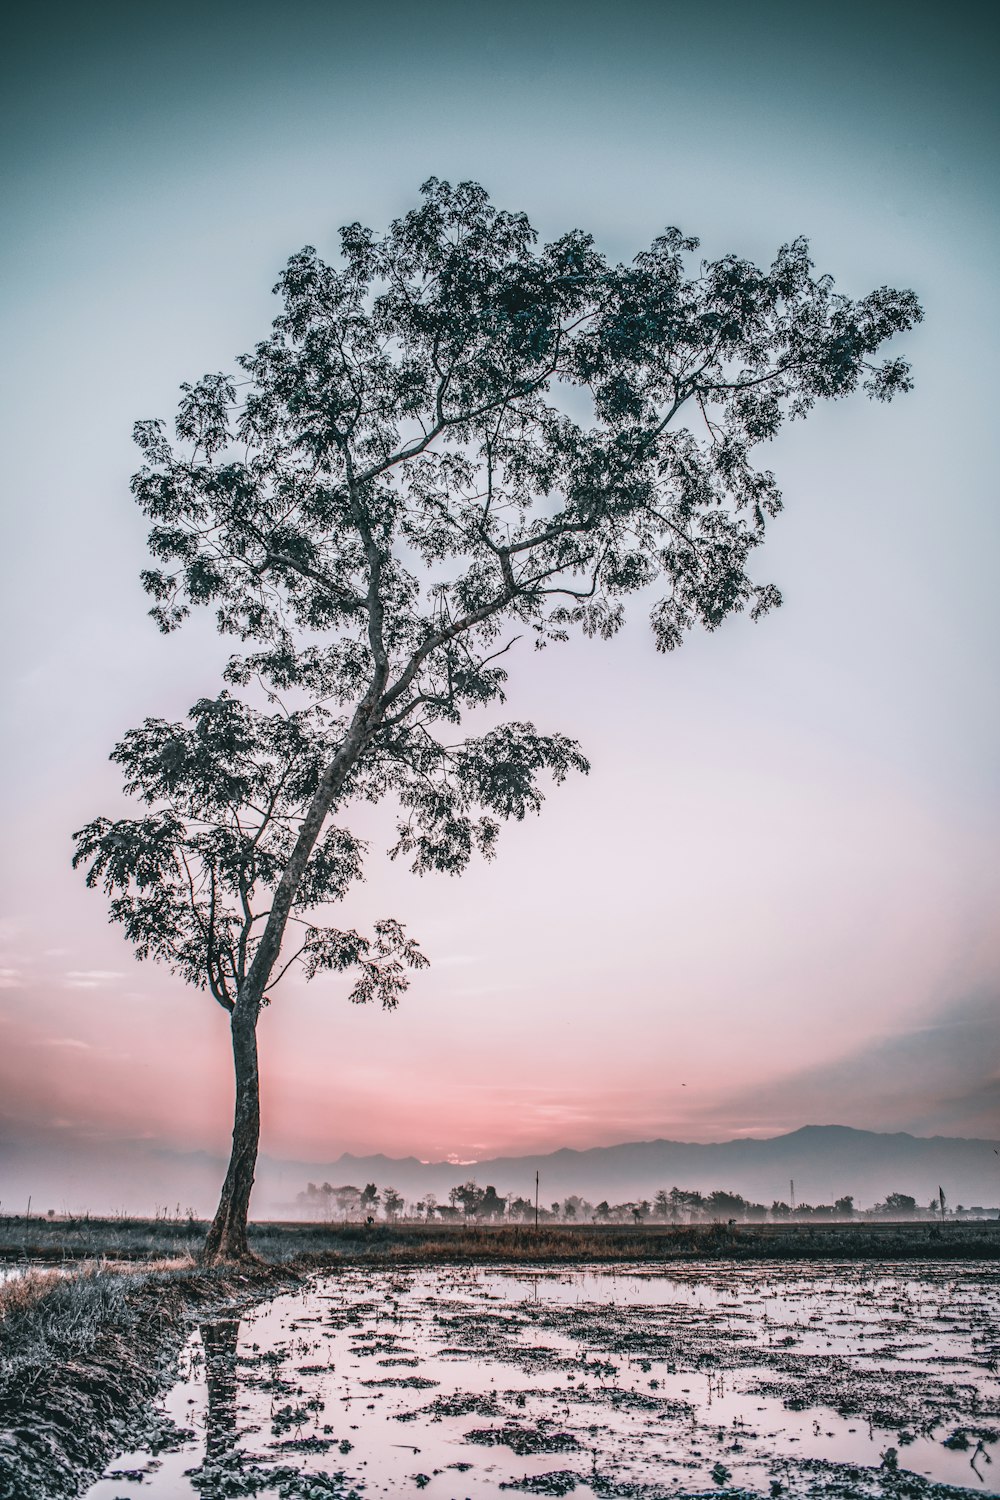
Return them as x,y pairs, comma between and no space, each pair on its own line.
825,1161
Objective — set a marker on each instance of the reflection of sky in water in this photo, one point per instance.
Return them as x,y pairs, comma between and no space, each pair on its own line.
568,1355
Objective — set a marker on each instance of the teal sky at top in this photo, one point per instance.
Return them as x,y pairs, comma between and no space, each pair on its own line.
159,165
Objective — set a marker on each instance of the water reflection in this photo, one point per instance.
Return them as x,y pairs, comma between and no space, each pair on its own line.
475,1381
219,1341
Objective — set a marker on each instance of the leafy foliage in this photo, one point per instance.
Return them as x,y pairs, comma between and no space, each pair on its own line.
400,483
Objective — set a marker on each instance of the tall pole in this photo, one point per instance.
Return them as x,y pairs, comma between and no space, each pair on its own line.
791,1193
536,1199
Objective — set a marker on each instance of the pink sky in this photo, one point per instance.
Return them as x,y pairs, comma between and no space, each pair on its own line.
780,877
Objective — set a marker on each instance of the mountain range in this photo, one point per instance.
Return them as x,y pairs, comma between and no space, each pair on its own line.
824,1162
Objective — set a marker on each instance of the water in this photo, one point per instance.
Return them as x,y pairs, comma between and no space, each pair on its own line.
466,1381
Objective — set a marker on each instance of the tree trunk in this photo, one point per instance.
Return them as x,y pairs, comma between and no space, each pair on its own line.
227,1237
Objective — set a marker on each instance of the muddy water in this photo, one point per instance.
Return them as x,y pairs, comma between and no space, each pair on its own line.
607,1381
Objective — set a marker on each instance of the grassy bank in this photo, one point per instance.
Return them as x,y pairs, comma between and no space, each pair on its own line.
64,1241
82,1357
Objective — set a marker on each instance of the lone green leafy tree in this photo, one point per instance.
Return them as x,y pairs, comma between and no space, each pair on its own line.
450,438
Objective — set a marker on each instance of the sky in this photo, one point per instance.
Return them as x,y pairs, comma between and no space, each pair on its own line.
775,895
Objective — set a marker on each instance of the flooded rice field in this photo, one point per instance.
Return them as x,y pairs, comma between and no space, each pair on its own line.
771,1380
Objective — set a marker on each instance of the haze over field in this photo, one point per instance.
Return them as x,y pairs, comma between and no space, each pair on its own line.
824,1163
774,898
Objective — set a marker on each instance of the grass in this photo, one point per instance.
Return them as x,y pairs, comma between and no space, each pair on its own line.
83,1355
149,1240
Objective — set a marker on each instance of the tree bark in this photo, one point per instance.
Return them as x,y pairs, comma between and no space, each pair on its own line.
227,1236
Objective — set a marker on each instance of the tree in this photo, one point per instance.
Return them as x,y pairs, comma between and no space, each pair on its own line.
897,1203
469,1196
392,1203
491,1206
722,1205
394,493
689,1200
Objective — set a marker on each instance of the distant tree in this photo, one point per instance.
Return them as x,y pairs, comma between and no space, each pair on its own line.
392,1203
663,1207
469,1197
687,1200
897,1203
602,1211
393,493
722,1205
348,1199
490,1206
845,1206
780,1209
369,1200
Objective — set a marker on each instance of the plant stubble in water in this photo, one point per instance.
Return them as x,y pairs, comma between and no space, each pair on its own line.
612,1381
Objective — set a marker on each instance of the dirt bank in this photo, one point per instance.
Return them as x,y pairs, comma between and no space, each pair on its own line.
83,1356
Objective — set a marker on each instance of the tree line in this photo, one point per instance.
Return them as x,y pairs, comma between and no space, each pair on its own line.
468,1202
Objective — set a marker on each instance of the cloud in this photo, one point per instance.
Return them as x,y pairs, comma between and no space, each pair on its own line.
11,979
66,1041
942,1076
90,979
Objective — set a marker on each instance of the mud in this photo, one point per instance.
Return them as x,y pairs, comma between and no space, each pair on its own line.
729,1380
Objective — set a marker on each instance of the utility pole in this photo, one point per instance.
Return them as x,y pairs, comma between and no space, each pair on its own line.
536,1199
791,1193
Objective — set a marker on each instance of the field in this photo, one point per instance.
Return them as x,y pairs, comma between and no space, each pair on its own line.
814,1363
65,1240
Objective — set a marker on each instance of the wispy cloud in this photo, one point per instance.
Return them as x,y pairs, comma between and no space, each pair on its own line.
66,1041
11,979
90,979
940,1075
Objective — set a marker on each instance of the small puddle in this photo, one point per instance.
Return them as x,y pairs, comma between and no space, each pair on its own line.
483,1381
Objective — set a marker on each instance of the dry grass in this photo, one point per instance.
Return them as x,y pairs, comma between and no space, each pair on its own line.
82,1356
173,1245
20,1292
